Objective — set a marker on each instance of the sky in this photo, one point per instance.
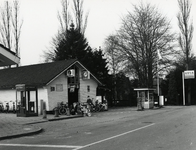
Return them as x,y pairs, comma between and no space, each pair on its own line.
40,22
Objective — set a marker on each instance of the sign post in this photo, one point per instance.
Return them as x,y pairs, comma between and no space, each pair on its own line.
189,74
183,90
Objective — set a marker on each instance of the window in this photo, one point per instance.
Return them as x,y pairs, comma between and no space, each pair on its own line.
52,88
59,87
88,88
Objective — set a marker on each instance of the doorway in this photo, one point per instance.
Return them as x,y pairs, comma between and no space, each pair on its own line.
73,84
72,95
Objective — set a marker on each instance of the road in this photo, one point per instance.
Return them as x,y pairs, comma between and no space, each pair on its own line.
163,129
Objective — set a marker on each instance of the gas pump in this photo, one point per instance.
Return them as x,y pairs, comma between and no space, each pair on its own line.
26,101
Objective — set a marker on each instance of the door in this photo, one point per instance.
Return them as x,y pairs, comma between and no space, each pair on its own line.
21,104
72,96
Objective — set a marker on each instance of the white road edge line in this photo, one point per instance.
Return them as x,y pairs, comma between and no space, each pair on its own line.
43,146
112,137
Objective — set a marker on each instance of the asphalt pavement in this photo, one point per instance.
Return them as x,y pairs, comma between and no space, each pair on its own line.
12,126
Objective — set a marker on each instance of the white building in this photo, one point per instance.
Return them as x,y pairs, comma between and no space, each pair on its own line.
48,84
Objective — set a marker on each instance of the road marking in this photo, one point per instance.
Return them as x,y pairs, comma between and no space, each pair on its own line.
75,147
43,146
112,137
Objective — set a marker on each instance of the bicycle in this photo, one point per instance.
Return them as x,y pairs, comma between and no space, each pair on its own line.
1,107
62,109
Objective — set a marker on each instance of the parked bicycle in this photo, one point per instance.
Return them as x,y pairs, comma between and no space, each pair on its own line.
93,108
1,107
80,108
86,109
100,106
62,108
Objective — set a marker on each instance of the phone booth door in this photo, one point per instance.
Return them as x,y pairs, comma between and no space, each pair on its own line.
20,100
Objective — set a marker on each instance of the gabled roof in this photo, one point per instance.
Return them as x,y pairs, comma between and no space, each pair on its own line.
35,75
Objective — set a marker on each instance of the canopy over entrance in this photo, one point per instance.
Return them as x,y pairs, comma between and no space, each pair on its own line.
7,57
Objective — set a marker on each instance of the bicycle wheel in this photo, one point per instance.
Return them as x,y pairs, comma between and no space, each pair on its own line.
97,108
62,111
89,114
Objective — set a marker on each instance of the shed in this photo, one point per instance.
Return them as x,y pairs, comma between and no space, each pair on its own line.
146,96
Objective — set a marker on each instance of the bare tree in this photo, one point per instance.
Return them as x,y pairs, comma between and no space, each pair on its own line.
17,25
6,14
81,23
66,17
10,26
185,36
186,29
113,59
49,55
111,51
75,15
143,32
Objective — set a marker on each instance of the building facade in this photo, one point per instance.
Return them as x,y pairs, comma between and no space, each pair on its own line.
35,87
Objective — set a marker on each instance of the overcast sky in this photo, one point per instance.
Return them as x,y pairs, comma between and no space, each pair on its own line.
41,23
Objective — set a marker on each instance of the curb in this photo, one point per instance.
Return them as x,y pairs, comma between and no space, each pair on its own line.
22,134
70,117
54,119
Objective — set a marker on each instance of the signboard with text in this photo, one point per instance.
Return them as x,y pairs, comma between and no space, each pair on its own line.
189,74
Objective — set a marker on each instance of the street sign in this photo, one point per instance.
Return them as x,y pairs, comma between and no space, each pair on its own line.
189,74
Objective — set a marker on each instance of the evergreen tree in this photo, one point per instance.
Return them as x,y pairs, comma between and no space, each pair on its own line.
97,64
172,89
123,87
73,45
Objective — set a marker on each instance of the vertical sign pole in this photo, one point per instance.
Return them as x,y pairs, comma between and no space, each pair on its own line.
183,88
158,81
158,84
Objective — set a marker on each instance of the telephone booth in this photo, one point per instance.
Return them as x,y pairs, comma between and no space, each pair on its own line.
26,100
146,97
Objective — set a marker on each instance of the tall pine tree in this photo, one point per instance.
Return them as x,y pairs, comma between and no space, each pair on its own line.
73,45
98,65
172,90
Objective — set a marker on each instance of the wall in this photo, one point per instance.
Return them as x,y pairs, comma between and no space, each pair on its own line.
58,93
83,91
42,95
58,96
10,96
